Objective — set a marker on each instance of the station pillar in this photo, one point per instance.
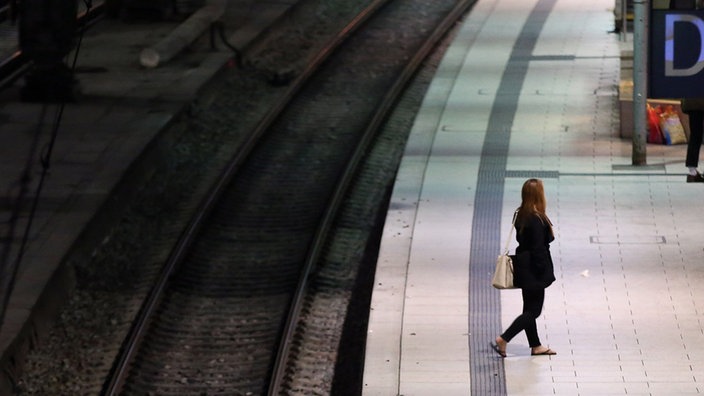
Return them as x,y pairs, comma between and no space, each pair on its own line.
46,36
640,80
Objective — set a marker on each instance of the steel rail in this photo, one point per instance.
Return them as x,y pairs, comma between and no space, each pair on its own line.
120,370
317,245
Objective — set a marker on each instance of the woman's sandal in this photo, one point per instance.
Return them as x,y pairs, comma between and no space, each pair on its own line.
547,352
496,349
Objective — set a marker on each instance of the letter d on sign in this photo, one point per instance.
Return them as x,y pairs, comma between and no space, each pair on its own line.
670,20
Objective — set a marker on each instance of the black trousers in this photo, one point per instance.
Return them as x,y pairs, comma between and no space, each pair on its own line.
696,126
532,307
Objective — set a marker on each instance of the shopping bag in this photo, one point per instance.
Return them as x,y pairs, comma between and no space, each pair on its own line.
671,127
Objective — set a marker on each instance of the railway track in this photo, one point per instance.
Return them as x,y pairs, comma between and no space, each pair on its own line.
233,290
223,310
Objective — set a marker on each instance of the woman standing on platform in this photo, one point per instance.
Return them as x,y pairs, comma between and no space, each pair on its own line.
534,234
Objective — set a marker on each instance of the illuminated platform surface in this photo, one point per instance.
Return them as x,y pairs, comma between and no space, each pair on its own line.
529,89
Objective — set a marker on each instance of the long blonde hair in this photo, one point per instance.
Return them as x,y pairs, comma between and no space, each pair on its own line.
533,202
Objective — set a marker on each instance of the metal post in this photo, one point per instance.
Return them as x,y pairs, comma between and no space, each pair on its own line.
46,35
624,20
640,90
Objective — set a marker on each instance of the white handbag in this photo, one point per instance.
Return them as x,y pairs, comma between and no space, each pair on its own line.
503,273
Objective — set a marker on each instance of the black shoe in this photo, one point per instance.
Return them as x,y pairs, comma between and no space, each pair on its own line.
698,178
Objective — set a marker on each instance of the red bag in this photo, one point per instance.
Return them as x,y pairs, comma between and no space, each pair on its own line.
654,131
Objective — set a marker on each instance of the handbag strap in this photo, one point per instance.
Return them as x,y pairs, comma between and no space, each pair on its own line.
510,233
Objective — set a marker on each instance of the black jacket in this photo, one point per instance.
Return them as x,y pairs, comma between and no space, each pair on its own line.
533,263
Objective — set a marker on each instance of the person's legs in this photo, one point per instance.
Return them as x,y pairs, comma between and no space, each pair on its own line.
532,307
696,129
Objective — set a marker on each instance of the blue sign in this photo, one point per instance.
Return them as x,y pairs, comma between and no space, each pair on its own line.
676,54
